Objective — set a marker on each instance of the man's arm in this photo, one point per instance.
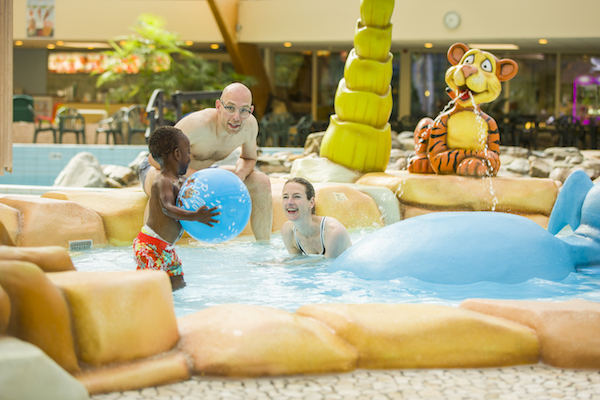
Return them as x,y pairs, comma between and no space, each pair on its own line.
245,165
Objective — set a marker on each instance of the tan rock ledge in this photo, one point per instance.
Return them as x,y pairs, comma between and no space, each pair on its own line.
531,197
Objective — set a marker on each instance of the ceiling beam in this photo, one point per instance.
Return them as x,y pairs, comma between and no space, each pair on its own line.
245,57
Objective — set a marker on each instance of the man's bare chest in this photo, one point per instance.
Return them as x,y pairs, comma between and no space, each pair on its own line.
214,149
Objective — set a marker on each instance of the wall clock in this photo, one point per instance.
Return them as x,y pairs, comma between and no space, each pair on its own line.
451,20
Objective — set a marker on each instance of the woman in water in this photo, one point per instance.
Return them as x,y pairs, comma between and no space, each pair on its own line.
306,233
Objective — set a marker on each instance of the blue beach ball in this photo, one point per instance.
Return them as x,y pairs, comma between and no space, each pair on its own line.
221,188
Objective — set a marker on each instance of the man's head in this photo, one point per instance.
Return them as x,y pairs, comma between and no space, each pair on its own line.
234,107
168,141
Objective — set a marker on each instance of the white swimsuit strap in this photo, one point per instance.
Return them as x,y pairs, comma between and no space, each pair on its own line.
323,234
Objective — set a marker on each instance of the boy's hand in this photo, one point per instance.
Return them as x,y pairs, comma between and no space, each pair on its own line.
205,215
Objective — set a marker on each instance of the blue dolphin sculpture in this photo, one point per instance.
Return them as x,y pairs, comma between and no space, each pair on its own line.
467,247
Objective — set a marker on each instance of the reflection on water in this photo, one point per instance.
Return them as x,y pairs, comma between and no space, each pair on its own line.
263,274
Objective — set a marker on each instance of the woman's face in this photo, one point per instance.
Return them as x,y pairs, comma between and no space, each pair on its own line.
294,201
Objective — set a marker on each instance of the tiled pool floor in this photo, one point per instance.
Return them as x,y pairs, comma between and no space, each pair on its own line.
520,382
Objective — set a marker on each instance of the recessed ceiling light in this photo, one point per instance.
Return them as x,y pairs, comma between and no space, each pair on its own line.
543,41
494,46
18,43
428,45
50,46
189,42
287,44
59,42
214,46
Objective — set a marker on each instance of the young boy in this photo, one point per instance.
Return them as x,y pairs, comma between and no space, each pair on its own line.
154,245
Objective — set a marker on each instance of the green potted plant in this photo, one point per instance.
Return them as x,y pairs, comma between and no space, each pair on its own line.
153,58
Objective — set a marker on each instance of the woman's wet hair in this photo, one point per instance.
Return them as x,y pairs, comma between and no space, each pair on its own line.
163,141
308,188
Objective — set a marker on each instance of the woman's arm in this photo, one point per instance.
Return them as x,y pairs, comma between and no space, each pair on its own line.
288,238
336,238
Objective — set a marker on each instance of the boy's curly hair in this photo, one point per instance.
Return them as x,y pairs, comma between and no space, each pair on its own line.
163,142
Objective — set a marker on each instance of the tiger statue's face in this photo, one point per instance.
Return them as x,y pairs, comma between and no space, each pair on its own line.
476,73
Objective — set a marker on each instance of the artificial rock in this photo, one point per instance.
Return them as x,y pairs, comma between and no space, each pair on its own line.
50,222
343,202
4,310
568,331
48,258
26,373
122,211
119,315
159,370
39,313
426,335
9,225
247,340
450,192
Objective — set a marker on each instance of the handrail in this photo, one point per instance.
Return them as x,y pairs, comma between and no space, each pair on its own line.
179,97
157,104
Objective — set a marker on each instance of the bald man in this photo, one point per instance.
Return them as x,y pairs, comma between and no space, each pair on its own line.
214,133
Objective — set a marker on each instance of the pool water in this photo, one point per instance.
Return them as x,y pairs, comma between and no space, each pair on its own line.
40,164
243,271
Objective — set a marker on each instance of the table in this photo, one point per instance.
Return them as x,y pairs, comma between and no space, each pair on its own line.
96,113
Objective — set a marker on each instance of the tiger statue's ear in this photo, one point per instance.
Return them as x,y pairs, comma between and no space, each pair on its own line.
506,69
456,51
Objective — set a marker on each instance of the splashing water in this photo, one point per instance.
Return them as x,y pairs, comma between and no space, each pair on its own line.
448,108
482,130
482,141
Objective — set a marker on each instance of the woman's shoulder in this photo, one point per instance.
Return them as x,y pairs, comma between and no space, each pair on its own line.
287,228
336,237
333,223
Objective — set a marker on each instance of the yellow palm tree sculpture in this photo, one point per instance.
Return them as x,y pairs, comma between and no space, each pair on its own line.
358,136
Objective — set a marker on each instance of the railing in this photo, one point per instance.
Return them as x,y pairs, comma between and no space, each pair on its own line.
155,110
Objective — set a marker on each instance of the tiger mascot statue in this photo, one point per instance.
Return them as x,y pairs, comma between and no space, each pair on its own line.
464,140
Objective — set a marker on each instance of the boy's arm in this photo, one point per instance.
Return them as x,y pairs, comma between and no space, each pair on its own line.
167,202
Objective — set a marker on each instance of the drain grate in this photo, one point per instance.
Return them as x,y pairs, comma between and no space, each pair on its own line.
79,245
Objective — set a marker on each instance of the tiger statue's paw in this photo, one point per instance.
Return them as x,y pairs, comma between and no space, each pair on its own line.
419,164
473,166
